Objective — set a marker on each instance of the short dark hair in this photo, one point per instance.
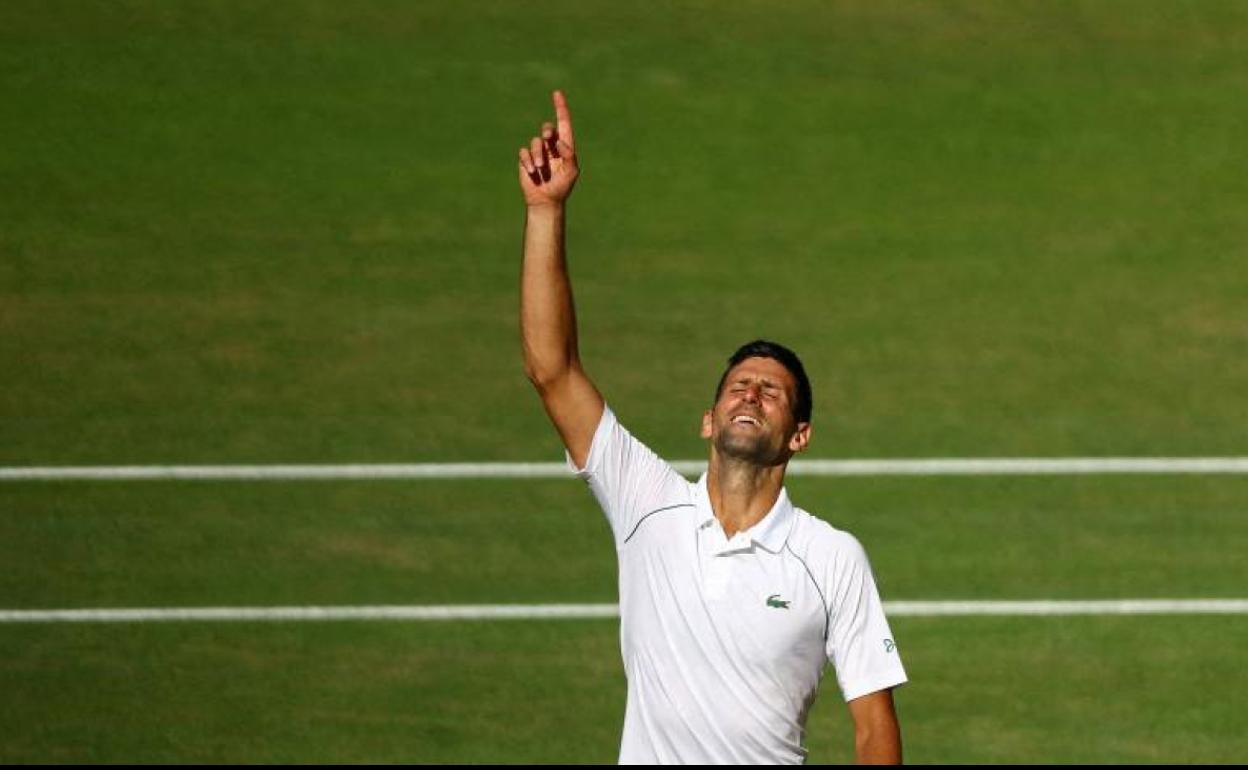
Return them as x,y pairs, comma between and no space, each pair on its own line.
764,349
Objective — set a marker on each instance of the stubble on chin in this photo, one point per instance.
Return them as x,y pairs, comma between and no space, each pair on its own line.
739,446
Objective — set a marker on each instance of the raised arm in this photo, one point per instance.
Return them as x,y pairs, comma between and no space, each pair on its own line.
548,170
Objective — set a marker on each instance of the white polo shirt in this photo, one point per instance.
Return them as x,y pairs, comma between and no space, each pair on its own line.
725,640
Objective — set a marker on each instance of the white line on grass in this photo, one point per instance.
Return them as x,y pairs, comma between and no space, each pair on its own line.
1017,466
584,611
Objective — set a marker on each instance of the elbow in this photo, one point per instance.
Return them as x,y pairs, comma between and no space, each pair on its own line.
548,371
542,379
546,378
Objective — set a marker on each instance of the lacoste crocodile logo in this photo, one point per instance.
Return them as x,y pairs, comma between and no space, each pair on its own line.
775,601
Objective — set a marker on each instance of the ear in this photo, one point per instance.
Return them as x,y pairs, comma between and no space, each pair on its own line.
800,438
706,424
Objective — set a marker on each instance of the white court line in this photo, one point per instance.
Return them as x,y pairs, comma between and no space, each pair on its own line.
1007,466
584,611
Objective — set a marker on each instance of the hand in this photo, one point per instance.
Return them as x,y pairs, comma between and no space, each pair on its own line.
548,165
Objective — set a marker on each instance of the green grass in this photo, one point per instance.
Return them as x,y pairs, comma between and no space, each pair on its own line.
311,693
984,690
452,542
233,233
1064,690
291,234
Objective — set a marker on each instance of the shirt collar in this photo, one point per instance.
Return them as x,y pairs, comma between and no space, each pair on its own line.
770,532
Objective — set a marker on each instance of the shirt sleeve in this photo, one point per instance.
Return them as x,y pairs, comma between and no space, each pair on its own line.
627,478
860,643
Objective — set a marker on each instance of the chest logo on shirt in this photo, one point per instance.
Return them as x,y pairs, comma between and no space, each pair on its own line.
775,601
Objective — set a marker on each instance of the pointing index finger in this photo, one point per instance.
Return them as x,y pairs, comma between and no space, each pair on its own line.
563,119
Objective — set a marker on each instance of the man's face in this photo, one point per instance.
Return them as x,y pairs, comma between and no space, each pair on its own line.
752,418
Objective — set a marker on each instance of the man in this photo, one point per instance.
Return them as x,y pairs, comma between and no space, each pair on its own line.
732,600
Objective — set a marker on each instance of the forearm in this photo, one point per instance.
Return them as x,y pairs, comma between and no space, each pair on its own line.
547,317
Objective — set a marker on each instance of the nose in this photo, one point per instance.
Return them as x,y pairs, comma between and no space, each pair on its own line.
753,394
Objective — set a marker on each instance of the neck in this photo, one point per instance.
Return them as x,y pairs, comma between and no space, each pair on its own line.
741,493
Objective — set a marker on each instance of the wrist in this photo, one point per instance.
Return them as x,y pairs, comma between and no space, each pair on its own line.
548,210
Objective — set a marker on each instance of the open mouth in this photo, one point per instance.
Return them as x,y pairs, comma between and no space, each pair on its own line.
745,419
